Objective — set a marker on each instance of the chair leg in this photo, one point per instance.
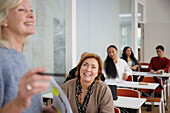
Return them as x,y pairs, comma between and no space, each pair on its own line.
163,106
165,93
140,110
160,110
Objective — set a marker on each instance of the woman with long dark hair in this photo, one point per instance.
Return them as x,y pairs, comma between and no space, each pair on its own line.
133,63
115,68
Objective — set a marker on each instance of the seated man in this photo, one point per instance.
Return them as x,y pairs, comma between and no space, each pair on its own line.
73,71
159,62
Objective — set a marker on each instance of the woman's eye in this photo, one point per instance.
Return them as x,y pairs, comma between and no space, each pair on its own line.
21,10
84,64
93,67
31,10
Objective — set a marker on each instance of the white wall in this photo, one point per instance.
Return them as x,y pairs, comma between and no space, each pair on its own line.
157,27
97,26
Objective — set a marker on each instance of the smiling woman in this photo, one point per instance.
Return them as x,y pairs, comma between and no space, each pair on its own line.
83,90
17,28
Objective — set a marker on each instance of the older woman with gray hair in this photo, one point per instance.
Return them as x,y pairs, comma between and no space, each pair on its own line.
20,87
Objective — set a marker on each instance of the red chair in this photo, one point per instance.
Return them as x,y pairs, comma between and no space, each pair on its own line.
130,78
117,110
157,100
128,93
144,69
144,63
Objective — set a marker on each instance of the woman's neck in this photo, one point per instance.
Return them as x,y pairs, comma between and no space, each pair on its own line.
128,58
84,85
15,40
16,43
115,60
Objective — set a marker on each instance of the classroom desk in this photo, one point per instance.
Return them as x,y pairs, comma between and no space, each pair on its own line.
151,86
129,102
148,74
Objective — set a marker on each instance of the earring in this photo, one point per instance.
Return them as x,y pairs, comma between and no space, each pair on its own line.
5,25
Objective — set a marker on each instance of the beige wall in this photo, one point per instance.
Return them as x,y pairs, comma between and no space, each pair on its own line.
157,27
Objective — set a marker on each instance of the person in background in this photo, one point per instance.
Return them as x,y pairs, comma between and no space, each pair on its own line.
72,73
20,88
115,68
160,62
133,63
86,93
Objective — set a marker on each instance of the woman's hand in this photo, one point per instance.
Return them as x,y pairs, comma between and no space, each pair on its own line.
31,84
125,76
49,109
135,67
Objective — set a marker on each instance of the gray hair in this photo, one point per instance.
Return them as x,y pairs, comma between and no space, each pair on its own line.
5,6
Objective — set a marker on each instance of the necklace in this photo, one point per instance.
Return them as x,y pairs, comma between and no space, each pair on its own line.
80,98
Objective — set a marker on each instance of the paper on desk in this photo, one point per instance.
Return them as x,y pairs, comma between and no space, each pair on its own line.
59,99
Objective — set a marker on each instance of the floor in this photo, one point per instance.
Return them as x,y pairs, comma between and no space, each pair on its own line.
156,109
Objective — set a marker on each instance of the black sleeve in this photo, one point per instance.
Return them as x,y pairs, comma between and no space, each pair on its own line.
71,74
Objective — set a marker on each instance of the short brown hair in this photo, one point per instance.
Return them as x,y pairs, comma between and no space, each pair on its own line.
90,55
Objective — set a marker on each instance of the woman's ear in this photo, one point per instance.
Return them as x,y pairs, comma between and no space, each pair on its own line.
4,23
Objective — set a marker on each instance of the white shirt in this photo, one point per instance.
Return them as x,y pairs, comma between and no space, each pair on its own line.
122,67
129,63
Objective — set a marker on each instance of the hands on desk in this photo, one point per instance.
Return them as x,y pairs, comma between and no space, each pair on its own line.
157,72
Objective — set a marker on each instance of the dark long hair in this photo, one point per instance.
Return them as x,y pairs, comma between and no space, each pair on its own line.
109,65
124,56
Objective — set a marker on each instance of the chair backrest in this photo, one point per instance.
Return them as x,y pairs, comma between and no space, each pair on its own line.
130,78
127,92
144,69
151,80
117,110
144,64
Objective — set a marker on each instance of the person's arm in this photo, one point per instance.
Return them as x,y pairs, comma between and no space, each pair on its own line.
23,99
127,69
71,75
150,68
139,66
166,68
135,67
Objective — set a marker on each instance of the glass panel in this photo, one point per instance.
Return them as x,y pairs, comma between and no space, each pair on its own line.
125,21
140,12
139,44
48,45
